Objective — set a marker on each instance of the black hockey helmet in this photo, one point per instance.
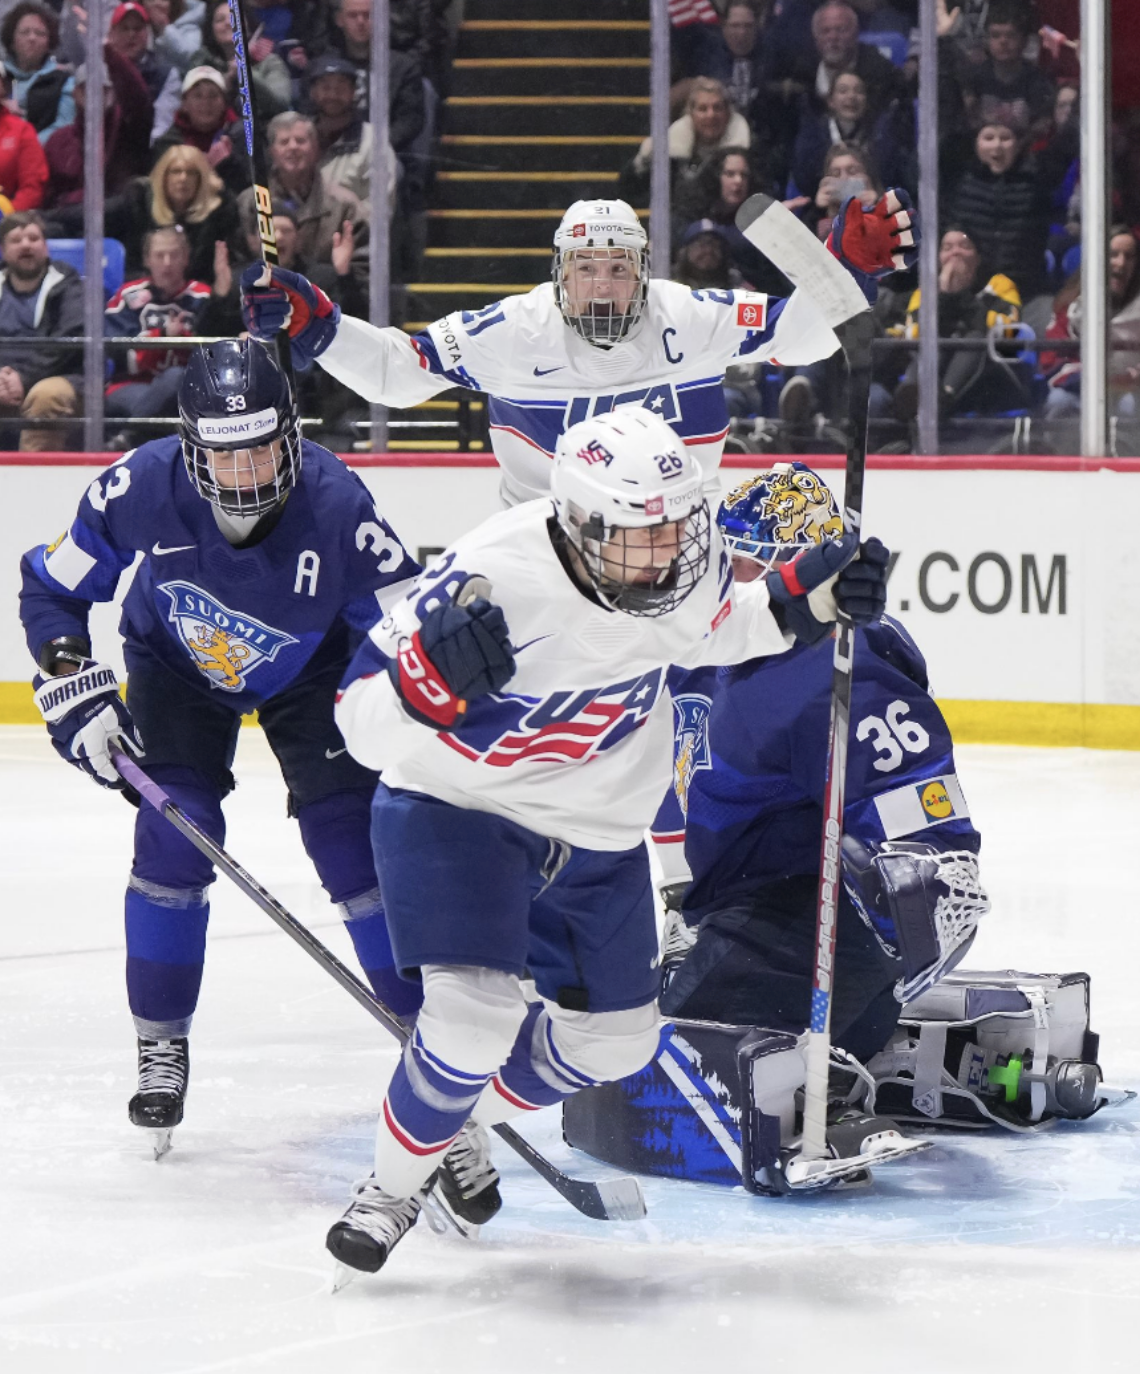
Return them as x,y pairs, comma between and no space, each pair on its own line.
235,399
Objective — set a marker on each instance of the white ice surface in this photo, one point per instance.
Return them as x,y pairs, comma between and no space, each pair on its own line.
988,1252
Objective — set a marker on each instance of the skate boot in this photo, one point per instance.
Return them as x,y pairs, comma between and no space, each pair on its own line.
369,1231
164,1071
467,1180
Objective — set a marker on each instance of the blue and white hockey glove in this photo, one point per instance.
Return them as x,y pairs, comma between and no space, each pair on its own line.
273,299
921,903
808,592
84,713
876,242
459,653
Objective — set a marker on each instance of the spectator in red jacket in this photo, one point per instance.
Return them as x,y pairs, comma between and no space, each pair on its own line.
128,114
23,166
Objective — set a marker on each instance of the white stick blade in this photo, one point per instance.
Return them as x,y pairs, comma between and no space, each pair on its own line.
802,258
623,1198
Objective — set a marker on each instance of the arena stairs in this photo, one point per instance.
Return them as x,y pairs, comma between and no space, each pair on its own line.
542,112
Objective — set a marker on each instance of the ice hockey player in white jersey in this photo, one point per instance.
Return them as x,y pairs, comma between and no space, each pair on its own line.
497,849
600,335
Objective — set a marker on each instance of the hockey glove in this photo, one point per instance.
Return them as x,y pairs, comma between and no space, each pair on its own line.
273,299
807,592
920,902
876,242
458,653
84,713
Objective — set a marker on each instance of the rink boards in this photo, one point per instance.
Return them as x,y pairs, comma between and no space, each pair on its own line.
1018,577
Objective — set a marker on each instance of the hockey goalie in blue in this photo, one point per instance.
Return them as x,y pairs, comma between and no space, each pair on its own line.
745,809
264,561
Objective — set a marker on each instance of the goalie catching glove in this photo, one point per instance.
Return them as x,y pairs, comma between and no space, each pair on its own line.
459,653
808,592
876,242
920,902
84,713
273,299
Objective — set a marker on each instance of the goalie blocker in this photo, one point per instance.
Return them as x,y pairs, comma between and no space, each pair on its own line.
722,1104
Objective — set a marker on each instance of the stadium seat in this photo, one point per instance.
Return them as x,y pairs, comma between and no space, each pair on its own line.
114,260
892,45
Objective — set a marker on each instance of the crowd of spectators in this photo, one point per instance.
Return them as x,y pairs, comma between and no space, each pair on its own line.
814,101
177,182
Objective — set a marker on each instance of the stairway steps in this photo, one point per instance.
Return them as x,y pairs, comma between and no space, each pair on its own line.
549,76
488,264
523,153
431,300
565,38
517,11
504,114
477,228
520,190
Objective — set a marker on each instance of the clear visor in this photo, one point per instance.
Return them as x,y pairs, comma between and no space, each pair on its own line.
600,291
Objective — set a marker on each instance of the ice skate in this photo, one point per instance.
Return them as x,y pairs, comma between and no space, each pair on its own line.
164,1072
366,1235
467,1183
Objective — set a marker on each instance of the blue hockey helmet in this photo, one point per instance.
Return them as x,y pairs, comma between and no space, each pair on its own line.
235,400
778,513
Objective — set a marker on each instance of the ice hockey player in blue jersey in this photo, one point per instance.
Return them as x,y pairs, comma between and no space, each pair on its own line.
739,834
601,334
264,560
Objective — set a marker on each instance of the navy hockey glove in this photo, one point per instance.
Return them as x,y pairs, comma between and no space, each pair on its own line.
458,653
84,713
807,592
922,904
876,242
273,299
861,588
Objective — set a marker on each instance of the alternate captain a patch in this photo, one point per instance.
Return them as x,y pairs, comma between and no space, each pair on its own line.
226,645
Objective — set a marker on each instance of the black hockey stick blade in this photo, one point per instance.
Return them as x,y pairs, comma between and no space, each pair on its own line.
610,1199
613,1199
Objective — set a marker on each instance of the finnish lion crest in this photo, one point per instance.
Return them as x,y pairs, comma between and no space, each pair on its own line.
226,645
691,750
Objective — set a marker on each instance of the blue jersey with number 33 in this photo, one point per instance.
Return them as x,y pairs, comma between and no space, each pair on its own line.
240,624
751,754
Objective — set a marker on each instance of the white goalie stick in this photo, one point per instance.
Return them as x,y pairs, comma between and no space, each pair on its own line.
809,266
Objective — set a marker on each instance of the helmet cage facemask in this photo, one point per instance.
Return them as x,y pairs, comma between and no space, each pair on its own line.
599,322
589,535
254,500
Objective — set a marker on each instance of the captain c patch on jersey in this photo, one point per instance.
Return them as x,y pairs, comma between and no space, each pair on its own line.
226,645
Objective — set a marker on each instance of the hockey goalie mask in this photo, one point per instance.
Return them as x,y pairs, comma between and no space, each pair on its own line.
600,270
630,504
777,514
241,438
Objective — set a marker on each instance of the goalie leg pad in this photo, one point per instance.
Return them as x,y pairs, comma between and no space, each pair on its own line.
1012,1049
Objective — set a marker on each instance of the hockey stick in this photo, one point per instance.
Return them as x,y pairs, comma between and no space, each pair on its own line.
808,264
259,171
612,1199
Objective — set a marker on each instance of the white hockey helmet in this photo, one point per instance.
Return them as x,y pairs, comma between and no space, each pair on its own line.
600,270
615,476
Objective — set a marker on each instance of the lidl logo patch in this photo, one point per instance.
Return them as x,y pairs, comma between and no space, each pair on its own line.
935,801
